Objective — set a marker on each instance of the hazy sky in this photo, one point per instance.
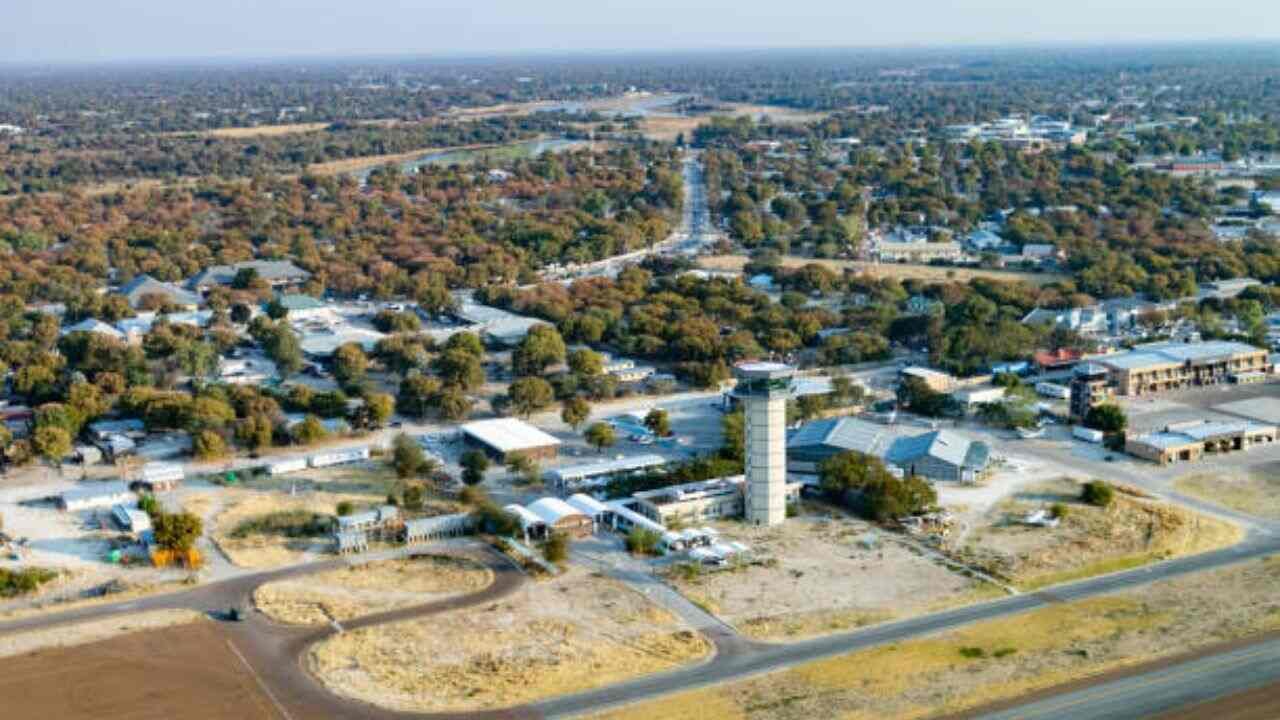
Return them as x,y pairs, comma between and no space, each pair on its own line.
56,30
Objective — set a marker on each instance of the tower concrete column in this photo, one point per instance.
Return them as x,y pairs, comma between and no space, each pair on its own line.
763,388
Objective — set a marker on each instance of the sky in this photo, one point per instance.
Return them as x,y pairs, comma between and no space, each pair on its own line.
42,31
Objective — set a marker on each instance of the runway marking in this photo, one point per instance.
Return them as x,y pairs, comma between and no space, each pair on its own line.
260,681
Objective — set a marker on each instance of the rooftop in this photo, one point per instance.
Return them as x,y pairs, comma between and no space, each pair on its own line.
606,467
508,434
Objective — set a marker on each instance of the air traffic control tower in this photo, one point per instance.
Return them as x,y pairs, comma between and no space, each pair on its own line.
764,388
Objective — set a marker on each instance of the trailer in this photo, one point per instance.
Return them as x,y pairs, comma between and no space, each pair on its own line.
338,457
1053,390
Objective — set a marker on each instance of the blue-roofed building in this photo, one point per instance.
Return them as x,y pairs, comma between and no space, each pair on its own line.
936,455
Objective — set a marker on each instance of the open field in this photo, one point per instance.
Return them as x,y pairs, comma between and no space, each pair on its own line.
233,133
1089,540
265,550
562,635
998,659
356,164
1255,492
901,271
187,671
88,632
813,576
366,589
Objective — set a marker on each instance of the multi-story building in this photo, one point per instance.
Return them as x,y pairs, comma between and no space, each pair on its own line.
1090,386
1159,367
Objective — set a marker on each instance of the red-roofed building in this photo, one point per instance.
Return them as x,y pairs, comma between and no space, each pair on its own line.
1059,359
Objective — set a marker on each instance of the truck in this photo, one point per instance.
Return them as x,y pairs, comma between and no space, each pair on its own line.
1087,434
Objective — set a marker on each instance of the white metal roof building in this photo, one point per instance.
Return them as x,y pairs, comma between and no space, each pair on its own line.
507,436
560,516
98,495
589,506
531,524
598,474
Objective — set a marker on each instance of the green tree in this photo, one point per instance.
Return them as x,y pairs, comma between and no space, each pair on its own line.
452,404
586,363
529,395
349,365
658,422
734,429
52,443
1108,418
863,482
416,394
556,548
474,464
600,435
378,409
208,445
276,309
524,466
575,412
255,432
459,368
177,531
407,456
541,348
285,351
309,431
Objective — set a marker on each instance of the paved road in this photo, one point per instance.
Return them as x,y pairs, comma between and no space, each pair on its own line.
1193,686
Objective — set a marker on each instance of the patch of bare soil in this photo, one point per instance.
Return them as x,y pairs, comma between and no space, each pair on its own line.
370,588
563,635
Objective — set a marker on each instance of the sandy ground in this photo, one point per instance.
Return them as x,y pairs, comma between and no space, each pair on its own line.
365,589
1000,659
562,635
1088,541
187,671
813,576
265,551
88,632
898,270
1255,492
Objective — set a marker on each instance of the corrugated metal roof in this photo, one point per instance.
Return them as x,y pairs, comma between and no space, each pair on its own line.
587,504
553,510
607,467
843,433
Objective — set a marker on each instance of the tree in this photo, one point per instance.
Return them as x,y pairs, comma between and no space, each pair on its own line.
255,432
1108,418
177,531
541,348
863,482
309,431
1098,492
407,456
529,395
586,363
285,351
575,412
52,443
344,508
349,364
452,404
525,466
276,309
459,368
208,445
240,313
378,409
474,464
600,435
915,395
468,342
734,429
416,393
658,422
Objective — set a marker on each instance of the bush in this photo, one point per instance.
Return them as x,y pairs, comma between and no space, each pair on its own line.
1004,652
1058,511
289,523
1098,492
556,548
345,508
642,542
20,582
973,653
496,520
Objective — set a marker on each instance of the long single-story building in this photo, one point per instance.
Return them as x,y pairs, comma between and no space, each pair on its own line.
1188,442
559,516
96,495
505,437
700,501
598,474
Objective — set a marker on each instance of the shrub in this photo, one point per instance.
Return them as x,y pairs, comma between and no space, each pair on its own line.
345,508
973,653
1098,492
642,542
20,582
1058,511
289,523
556,549
1004,652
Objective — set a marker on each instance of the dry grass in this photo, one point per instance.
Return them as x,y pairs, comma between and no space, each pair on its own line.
901,271
562,635
1090,540
265,551
365,589
356,164
86,632
235,133
811,576
999,659
51,603
1255,493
